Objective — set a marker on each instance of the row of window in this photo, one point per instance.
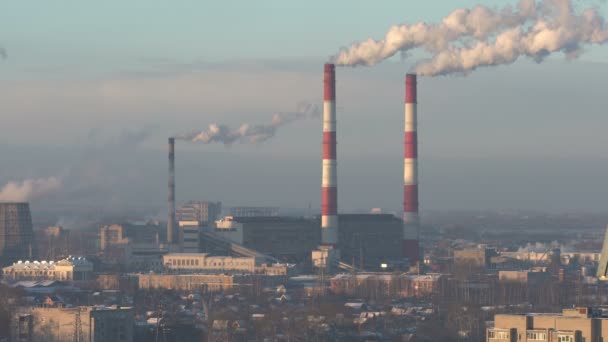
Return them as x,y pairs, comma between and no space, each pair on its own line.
530,335
195,262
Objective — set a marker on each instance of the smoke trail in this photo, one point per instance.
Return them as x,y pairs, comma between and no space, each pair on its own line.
468,39
246,133
566,34
29,189
477,23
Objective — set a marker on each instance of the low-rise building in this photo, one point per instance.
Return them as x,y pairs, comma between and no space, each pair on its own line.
95,324
70,268
205,263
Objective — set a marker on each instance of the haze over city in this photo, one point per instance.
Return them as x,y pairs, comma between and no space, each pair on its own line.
278,171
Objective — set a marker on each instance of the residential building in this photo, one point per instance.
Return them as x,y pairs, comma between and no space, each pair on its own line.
571,325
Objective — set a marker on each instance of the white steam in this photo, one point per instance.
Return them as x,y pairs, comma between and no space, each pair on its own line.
247,133
29,189
471,38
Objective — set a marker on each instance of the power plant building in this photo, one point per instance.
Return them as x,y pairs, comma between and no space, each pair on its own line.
285,238
201,211
369,239
16,233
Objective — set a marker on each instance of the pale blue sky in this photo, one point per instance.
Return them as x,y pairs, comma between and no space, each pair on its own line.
77,67
113,35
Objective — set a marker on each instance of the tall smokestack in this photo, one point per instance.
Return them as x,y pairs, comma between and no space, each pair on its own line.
171,198
411,221
329,199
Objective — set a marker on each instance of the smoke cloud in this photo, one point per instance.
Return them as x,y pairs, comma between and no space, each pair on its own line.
29,189
247,133
471,38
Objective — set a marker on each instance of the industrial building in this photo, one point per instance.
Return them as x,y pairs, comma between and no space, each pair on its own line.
571,325
202,262
285,238
254,211
203,212
135,246
16,233
370,240
70,268
189,236
86,323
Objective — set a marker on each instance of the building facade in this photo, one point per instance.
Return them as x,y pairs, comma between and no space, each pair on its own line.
189,236
202,212
68,269
583,324
16,233
95,324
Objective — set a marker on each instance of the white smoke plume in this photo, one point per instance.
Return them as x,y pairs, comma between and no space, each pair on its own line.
247,133
468,39
29,189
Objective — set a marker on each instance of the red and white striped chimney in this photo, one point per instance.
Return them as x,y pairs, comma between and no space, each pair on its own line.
329,199
411,221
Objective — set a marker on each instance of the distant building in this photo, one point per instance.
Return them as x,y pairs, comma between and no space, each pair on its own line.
95,324
202,262
392,285
572,325
69,269
137,247
477,257
16,233
254,211
53,242
189,236
371,239
285,238
201,211
189,282
529,277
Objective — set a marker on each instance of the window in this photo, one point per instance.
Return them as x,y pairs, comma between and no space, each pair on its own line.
565,338
498,335
536,336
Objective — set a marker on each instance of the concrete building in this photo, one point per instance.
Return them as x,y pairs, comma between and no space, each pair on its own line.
189,282
286,238
16,233
197,262
572,325
202,212
202,262
529,277
95,324
137,247
254,211
400,285
370,239
68,269
189,236
477,257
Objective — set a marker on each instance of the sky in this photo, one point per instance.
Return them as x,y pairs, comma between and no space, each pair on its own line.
82,79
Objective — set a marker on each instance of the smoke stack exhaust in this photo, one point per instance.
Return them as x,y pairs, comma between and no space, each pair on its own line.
171,198
329,199
411,220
